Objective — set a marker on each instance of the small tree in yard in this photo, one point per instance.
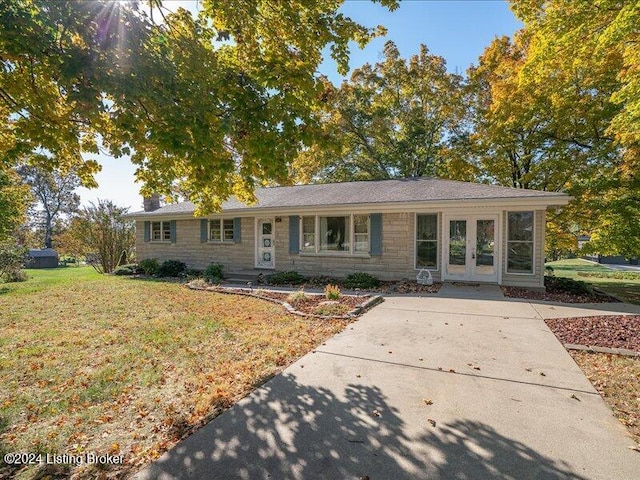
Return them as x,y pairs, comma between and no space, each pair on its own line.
107,236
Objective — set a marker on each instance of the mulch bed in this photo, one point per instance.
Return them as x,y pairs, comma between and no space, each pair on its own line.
404,287
563,297
311,302
618,331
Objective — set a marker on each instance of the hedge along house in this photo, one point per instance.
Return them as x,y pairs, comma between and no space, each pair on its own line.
389,228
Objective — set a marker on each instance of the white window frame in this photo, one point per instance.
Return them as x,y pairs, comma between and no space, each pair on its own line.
532,241
162,223
437,240
223,231
316,250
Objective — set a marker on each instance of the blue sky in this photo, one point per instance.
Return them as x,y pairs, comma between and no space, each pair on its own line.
458,30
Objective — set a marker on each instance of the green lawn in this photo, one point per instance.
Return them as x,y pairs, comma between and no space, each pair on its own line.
626,288
97,363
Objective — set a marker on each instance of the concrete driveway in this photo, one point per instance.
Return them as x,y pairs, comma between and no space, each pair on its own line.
463,385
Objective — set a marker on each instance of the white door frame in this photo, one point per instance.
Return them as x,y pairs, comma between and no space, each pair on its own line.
471,238
259,238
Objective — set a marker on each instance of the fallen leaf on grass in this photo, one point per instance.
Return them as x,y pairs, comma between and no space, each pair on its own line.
428,401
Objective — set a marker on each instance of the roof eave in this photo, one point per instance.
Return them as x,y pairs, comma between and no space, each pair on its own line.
551,201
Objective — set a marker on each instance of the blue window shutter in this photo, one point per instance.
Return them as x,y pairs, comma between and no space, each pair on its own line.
147,231
237,235
172,230
294,234
204,227
375,221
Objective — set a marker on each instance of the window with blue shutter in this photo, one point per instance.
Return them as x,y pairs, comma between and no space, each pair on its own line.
204,230
375,220
147,231
237,229
172,230
294,234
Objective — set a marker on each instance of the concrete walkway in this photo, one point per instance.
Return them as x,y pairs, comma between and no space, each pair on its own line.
464,385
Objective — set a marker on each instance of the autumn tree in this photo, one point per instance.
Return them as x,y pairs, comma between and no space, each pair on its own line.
54,195
106,235
212,105
584,59
14,200
392,119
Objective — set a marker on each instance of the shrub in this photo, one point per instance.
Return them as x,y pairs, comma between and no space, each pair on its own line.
296,297
15,274
213,273
12,257
130,269
149,266
360,280
286,278
171,268
567,285
193,273
332,292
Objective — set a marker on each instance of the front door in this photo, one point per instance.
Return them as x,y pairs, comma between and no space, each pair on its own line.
265,249
471,249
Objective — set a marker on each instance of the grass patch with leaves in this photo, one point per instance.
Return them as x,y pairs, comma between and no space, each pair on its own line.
617,378
624,287
93,363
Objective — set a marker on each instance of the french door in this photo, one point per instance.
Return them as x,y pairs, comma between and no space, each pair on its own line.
471,248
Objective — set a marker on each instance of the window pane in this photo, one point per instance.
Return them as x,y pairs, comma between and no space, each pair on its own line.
361,223
334,234
166,230
457,242
427,227
520,258
361,242
485,244
309,234
215,233
521,226
156,231
266,228
227,229
427,254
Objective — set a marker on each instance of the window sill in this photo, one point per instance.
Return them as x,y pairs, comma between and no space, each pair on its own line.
161,242
426,268
335,254
220,242
524,274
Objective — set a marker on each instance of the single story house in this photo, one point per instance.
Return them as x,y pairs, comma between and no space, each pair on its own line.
389,228
43,258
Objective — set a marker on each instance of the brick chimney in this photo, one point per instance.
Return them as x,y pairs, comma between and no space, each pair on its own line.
152,203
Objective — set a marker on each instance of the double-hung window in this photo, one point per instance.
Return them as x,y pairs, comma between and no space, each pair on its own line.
348,234
427,241
161,231
520,239
221,230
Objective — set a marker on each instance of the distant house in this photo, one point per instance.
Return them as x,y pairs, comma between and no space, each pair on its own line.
45,258
605,259
391,228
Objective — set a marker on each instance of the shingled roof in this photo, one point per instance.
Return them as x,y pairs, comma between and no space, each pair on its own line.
409,190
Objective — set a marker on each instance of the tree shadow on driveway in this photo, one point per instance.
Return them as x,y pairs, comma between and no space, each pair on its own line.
286,430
